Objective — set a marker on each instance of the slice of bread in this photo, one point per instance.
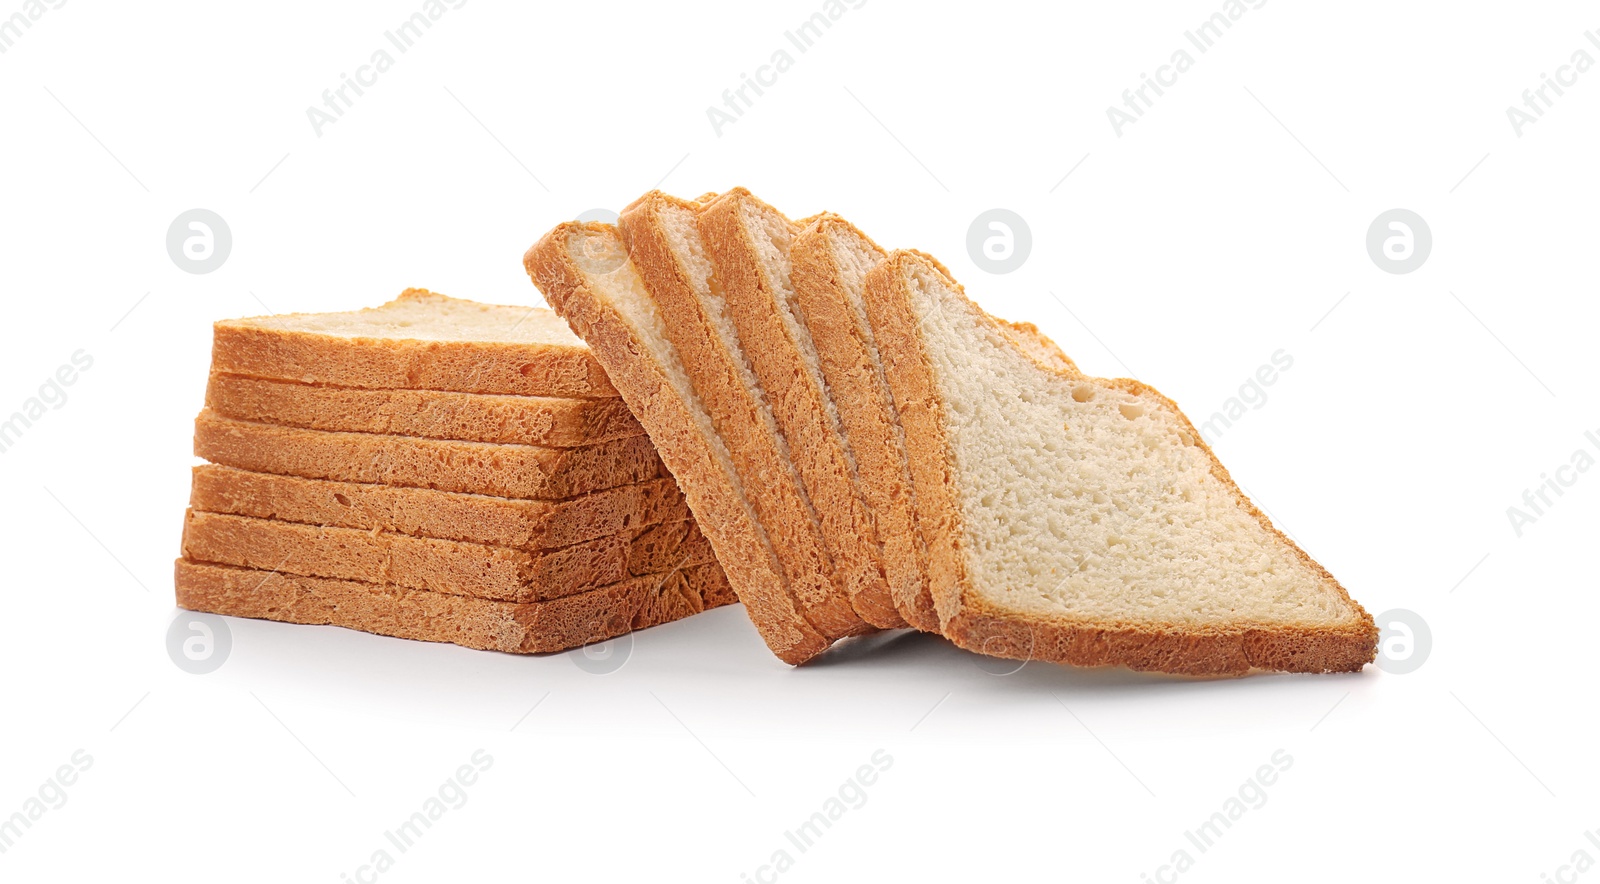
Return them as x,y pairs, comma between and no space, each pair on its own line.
449,566
474,518
585,272
1083,520
830,261
662,236
525,471
419,341
519,628
748,244
477,417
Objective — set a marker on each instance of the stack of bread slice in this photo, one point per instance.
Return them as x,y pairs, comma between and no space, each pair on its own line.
434,469
868,449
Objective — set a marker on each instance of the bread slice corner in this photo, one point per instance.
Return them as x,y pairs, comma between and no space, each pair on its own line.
1084,520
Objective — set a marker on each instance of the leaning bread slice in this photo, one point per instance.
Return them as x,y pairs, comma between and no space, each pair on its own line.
830,260
748,243
419,341
448,566
477,417
662,236
585,272
516,627
1083,520
527,471
447,515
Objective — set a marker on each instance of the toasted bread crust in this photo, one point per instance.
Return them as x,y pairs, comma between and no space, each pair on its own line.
518,628
448,566
740,544
446,515
911,381
523,471
474,417
524,369
815,580
798,403
866,410
971,622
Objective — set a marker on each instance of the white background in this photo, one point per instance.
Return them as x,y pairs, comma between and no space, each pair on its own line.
1220,228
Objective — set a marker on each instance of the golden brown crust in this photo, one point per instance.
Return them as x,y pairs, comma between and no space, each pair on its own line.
530,369
911,382
1180,650
448,566
740,544
519,628
475,417
1036,345
866,409
772,486
524,471
972,623
797,401
475,518
526,369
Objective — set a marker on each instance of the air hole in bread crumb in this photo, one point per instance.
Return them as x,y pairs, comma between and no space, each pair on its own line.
1130,410
343,501
1082,394
526,371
